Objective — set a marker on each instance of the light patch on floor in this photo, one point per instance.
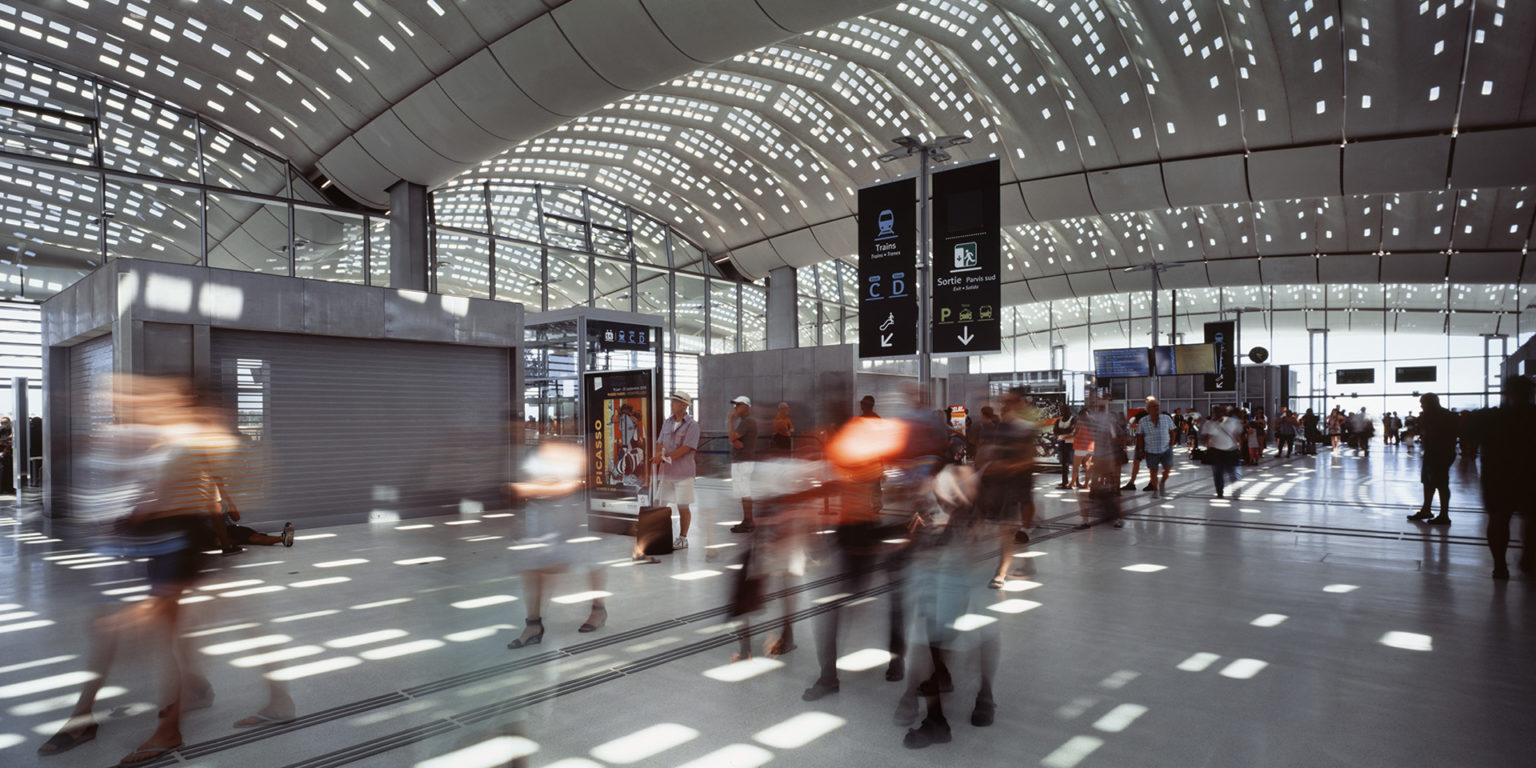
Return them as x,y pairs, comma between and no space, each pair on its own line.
1409,641
381,603
401,649
1076,707
1199,662
1119,679
1119,718
643,744
732,756
313,668
320,582
303,616
247,644
1340,589
482,602
973,621
580,597
746,669
1016,605
421,560
36,663
799,730
1073,752
367,638
479,633
702,573
1019,585
50,683
868,658
341,563
1243,669
1144,568
1269,620
487,754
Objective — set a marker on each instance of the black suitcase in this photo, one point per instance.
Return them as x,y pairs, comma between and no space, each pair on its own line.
653,530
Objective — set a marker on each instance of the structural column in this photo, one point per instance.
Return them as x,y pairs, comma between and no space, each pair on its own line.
783,309
408,237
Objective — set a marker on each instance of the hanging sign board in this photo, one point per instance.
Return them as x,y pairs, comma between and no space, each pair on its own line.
967,260
1220,335
888,269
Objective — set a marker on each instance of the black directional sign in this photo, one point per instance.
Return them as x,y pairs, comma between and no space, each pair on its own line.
888,269
967,258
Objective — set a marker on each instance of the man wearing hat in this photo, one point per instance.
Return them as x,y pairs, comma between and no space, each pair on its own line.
743,433
674,456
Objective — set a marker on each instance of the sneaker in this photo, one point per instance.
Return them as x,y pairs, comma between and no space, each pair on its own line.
287,534
1082,526
1439,520
1021,536
680,542
1149,487
233,550
1119,523
984,713
1131,486
1421,516
743,528
819,690
1502,574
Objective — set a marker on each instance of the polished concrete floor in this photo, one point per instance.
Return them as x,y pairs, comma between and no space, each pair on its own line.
1304,623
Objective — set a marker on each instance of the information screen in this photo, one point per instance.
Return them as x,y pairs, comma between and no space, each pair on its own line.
1121,363
1195,358
1357,375
1416,373
1185,359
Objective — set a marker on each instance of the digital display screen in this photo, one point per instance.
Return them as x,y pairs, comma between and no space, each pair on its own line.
1185,359
1121,363
1358,375
1195,358
1416,373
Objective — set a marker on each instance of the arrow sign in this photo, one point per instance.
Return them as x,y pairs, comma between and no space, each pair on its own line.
965,336
885,339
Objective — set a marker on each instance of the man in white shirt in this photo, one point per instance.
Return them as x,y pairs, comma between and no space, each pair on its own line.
675,445
1154,435
1223,436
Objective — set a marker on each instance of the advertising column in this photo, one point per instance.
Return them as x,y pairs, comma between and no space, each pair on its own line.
967,257
888,270
619,430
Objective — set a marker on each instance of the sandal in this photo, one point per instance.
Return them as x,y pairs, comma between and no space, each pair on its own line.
262,719
64,742
144,755
589,626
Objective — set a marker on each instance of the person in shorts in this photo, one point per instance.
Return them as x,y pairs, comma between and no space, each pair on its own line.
742,429
1154,439
675,462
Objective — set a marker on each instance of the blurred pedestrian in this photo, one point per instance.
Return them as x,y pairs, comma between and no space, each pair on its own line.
1438,433
742,432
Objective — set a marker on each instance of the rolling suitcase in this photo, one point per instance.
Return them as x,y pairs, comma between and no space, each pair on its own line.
653,530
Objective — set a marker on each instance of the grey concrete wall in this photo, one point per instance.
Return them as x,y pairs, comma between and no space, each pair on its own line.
817,382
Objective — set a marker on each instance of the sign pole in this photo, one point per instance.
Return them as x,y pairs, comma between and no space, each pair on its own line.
924,332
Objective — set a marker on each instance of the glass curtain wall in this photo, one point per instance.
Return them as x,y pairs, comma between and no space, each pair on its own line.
96,172
1441,330
553,246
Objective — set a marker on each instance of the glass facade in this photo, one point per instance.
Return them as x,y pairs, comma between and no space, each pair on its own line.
557,247
1461,331
95,172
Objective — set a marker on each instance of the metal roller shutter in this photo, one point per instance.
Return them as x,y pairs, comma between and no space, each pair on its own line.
341,428
90,404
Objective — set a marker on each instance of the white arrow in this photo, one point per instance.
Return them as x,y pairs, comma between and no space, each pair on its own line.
965,334
885,339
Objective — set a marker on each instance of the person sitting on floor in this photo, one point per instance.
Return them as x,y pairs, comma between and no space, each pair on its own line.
234,537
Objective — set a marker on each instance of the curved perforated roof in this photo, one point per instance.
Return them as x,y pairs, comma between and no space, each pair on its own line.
1257,142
